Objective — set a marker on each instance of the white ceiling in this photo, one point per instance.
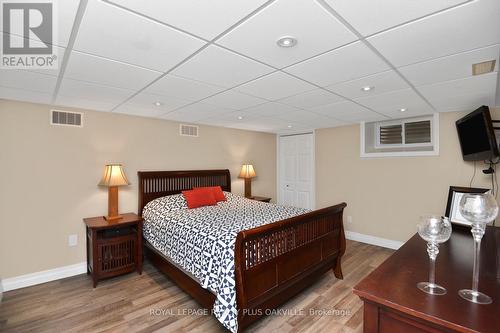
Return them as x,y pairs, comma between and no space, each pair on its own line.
217,63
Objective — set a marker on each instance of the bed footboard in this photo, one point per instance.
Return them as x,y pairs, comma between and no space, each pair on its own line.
275,261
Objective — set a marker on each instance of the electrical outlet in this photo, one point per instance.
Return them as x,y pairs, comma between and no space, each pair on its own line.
348,219
72,240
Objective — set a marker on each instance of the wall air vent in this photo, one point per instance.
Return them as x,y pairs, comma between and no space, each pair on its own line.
188,130
483,67
66,118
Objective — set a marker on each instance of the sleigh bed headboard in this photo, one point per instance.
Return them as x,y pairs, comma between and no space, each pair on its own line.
156,184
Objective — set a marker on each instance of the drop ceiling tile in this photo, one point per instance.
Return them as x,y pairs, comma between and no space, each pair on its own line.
174,86
219,123
218,66
368,116
25,95
304,117
381,83
307,21
356,117
195,112
231,119
369,17
90,96
251,127
390,103
27,80
448,68
234,100
311,99
271,109
143,104
321,121
246,127
234,117
203,18
131,38
275,125
462,95
65,11
52,71
348,112
466,27
347,63
84,103
93,69
275,86
332,123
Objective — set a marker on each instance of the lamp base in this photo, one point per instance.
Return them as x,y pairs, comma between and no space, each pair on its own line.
113,215
112,219
248,187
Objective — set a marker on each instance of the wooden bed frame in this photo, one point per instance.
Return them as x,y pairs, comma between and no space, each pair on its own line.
273,262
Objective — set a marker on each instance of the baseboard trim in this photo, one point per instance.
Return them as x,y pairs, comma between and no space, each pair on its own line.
373,240
32,279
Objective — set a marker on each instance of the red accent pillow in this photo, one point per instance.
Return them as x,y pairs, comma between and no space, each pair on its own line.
216,190
199,198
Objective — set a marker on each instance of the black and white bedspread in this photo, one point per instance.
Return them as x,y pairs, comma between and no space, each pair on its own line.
201,240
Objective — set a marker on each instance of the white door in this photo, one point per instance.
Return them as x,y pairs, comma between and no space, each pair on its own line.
296,170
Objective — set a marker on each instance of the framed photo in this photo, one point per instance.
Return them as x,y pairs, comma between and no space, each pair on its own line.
454,195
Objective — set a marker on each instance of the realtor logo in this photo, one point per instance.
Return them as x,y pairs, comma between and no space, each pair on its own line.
28,35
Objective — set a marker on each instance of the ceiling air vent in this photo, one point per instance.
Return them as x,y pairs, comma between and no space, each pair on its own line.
66,118
189,130
483,67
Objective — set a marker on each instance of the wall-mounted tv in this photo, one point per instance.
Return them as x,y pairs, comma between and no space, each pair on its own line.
477,136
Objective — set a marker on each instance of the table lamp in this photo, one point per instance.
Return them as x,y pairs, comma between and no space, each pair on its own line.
112,178
247,172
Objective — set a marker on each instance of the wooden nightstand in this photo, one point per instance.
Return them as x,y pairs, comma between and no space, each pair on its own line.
113,248
263,199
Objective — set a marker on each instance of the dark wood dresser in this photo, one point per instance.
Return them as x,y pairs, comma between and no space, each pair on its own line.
392,302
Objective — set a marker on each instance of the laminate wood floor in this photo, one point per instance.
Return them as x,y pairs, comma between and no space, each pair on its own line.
152,303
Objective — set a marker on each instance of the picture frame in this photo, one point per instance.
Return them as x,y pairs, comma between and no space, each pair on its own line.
455,193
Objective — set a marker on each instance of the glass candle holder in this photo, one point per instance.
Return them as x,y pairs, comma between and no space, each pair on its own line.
435,230
479,209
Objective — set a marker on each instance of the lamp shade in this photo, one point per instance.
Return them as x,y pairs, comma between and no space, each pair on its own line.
247,171
113,176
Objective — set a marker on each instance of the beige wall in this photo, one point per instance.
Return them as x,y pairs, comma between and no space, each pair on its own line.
49,174
386,196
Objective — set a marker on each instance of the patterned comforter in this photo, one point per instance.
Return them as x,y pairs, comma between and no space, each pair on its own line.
201,241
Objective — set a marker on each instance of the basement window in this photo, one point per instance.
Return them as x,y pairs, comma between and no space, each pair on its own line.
402,137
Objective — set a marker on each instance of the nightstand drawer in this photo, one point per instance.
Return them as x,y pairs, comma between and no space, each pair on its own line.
104,235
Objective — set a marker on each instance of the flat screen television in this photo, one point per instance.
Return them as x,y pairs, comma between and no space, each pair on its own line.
477,136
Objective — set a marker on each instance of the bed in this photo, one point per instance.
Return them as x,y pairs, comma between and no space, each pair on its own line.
259,255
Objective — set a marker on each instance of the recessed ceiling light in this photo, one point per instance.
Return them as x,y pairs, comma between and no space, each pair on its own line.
402,109
367,88
240,117
158,103
483,67
289,126
286,41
